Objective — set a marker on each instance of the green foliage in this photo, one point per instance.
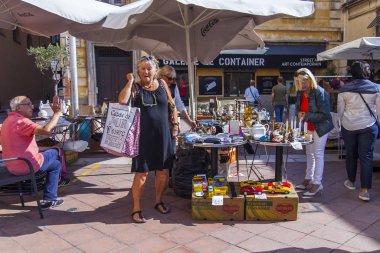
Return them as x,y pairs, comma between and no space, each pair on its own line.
45,55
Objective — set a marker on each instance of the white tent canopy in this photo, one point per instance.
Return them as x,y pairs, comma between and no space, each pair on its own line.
365,48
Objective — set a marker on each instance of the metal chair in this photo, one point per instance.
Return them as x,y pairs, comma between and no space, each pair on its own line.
7,178
336,134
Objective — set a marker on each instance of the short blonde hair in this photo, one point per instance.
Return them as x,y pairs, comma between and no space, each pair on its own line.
166,70
148,58
303,74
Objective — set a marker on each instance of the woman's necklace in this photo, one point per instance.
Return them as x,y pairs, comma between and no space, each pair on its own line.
147,87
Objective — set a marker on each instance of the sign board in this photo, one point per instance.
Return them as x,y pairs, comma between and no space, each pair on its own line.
265,84
210,86
246,61
119,121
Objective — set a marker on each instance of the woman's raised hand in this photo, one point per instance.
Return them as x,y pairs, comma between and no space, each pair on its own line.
130,77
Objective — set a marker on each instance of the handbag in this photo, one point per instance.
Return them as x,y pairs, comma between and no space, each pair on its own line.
172,113
121,135
373,115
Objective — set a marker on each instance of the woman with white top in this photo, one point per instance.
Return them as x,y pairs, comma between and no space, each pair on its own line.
359,129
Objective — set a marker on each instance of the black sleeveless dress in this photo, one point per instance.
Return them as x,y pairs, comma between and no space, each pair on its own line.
155,150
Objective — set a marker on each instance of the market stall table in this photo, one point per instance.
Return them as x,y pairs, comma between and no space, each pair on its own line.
61,131
90,128
214,154
279,155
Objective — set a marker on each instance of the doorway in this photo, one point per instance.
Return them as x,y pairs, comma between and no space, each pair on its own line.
235,83
112,66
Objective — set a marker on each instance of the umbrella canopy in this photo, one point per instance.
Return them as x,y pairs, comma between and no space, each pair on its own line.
50,17
363,48
247,39
195,29
210,25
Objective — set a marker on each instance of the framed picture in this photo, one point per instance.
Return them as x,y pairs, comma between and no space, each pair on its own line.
265,84
210,86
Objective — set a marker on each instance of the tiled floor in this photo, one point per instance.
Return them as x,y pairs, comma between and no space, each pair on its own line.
96,217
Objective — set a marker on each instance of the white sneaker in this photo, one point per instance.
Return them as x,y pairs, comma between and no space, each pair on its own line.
349,185
312,194
364,196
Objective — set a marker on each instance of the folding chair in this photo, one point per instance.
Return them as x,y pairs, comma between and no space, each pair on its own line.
7,178
336,134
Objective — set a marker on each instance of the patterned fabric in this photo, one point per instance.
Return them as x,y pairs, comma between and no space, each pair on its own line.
122,139
131,144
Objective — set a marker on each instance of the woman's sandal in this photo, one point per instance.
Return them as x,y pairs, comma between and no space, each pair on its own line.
162,208
140,219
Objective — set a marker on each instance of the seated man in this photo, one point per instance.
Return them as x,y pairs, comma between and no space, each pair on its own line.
18,140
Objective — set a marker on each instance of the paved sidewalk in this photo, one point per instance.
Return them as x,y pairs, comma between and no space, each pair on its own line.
96,217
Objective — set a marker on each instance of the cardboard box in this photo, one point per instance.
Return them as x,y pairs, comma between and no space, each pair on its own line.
277,207
232,208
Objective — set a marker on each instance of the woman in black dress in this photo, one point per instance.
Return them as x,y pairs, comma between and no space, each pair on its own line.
155,150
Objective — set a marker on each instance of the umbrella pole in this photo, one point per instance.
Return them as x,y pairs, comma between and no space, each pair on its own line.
192,101
190,67
74,76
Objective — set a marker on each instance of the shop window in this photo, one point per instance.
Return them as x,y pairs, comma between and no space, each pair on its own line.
265,84
235,83
183,86
210,86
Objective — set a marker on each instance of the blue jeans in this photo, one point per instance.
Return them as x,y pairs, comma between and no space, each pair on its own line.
360,144
52,166
279,109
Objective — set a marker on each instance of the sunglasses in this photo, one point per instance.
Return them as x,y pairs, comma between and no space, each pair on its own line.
148,58
170,78
303,81
145,104
27,104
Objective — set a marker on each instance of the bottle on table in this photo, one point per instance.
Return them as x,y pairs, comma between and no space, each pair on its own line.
105,107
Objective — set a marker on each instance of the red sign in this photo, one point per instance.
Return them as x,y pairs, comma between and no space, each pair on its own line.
284,208
230,209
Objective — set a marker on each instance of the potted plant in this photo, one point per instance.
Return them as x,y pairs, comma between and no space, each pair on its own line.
53,57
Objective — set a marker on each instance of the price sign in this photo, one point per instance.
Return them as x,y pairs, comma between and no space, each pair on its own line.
217,200
261,196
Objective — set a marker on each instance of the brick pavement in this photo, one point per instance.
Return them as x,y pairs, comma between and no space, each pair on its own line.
96,217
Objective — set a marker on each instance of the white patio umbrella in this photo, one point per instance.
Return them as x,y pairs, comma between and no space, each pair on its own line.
364,48
247,39
51,17
195,29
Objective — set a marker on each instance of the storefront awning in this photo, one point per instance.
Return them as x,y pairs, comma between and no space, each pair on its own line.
295,49
374,22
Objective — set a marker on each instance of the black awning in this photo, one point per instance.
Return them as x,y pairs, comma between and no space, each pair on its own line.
375,22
